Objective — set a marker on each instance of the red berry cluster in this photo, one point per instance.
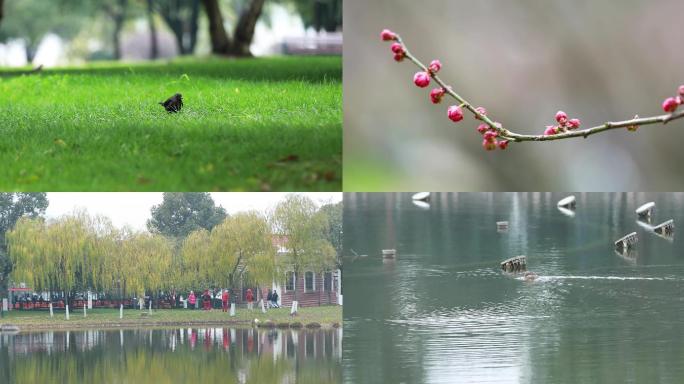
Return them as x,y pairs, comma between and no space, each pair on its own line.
672,103
564,124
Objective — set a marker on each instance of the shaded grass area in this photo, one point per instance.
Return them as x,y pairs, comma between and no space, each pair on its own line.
253,124
108,318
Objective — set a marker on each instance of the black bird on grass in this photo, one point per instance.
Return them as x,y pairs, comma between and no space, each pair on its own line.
173,103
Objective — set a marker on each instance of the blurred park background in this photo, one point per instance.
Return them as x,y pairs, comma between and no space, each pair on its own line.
522,60
60,32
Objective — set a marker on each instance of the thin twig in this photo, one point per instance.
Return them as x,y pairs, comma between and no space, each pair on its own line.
508,135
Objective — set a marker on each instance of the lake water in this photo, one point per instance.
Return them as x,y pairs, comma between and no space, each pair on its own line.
444,312
160,356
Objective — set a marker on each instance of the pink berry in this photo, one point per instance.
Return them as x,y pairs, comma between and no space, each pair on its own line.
573,123
561,117
550,130
488,145
490,135
387,35
399,56
482,128
503,144
455,113
436,95
397,48
421,79
482,111
435,66
680,90
670,104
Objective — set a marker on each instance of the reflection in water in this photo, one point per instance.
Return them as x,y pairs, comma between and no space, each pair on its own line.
444,312
192,355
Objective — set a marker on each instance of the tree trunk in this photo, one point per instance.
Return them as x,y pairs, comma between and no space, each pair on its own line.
116,38
30,52
220,44
177,30
119,17
194,23
1,7
154,48
244,30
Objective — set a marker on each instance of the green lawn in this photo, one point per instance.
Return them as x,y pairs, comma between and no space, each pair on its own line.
27,320
251,124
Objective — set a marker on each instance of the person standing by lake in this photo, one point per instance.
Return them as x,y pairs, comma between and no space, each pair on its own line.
225,297
192,299
250,299
206,300
274,299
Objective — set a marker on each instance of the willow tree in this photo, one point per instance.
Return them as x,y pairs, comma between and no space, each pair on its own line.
197,265
238,241
148,263
115,262
297,219
80,252
26,247
62,254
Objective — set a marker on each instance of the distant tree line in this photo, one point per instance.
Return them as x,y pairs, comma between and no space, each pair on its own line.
192,244
32,19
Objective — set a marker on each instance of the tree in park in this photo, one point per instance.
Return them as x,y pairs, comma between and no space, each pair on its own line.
320,14
333,233
60,255
182,17
238,44
154,48
298,219
198,267
117,11
148,264
31,20
14,206
181,213
79,253
221,257
494,134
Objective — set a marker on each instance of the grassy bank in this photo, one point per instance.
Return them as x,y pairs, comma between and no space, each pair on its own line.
253,124
326,316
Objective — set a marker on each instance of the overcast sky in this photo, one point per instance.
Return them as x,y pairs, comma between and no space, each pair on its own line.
133,208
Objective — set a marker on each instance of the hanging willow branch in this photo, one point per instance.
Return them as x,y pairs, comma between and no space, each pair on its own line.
494,133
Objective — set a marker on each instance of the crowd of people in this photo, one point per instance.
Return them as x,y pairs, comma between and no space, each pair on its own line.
207,299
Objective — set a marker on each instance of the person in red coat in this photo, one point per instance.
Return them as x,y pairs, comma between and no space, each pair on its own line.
225,297
250,299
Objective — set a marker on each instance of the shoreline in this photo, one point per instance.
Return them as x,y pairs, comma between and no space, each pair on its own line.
164,324
309,318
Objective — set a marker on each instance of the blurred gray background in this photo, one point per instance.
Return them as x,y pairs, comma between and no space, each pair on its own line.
522,60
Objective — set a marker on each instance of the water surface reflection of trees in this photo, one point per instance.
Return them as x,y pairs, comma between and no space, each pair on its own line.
173,356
